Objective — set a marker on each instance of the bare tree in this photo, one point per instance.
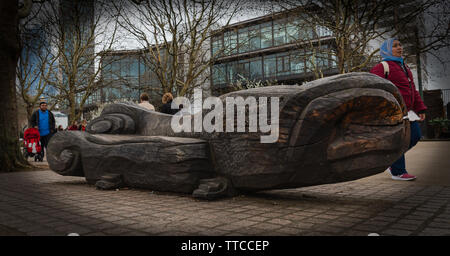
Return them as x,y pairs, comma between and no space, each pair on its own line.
10,14
433,30
355,26
77,32
315,42
36,64
176,35
431,35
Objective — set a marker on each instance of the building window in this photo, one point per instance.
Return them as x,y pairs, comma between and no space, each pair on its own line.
333,59
292,33
134,67
231,71
115,70
111,94
323,60
243,40
297,63
279,32
323,31
256,68
219,74
266,35
316,61
270,66
230,41
217,46
310,62
106,70
305,30
243,70
283,64
124,67
254,34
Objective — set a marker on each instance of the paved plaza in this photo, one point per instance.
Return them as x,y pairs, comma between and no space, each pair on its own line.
41,202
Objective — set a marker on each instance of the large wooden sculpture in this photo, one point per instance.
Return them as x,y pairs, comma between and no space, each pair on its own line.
331,130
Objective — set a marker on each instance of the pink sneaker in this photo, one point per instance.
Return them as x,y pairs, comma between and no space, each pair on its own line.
404,176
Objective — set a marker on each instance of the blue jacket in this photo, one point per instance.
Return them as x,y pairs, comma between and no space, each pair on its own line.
51,120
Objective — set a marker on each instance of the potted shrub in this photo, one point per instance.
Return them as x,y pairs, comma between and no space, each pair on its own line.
440,125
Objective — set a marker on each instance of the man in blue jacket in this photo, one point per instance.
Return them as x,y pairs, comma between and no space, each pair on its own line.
43,120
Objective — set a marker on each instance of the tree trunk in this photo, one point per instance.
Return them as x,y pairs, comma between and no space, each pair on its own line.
30,110
341,58
10,155
72,111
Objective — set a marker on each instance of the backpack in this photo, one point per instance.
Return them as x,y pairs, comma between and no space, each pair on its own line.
386,69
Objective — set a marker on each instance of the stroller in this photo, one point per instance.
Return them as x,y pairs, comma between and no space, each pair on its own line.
32,144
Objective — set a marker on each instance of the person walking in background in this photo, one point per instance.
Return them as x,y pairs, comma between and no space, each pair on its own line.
83,125
394,69
166,108
60,128
44,120
145,102
73,127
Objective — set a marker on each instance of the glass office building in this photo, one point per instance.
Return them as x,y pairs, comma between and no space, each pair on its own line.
120,76
126,74
78,38
35,58
270,48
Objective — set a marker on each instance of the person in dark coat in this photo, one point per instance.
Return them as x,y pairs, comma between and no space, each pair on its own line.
44,120
400,75
167,102
82,126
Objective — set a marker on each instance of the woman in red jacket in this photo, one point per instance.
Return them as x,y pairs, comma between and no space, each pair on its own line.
400,75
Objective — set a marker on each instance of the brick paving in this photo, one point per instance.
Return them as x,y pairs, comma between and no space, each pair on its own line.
44,203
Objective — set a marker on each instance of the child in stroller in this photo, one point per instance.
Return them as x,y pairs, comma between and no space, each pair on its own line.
32,144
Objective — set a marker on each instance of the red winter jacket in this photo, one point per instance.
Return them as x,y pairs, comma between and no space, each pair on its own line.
405,84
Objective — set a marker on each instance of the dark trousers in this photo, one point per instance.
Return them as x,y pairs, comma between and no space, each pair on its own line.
399,166
44,142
